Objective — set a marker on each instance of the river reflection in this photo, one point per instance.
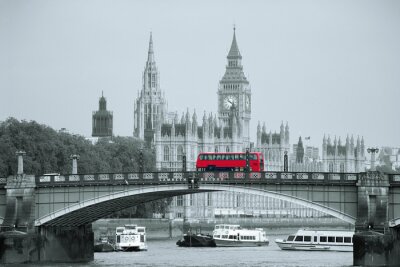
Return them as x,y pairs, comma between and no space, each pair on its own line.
166,253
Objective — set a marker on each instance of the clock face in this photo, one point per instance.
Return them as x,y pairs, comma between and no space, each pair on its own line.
247,102
229,101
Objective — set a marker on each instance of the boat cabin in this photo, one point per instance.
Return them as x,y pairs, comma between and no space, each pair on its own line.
322,237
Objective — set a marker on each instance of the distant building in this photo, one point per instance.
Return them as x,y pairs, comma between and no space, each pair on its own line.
389,156
273,145
311,153
305,158
102,120
349,157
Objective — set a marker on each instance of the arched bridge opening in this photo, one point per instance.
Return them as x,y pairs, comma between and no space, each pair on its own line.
91,209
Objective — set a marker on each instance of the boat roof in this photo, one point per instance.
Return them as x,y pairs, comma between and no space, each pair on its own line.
325,232
234,225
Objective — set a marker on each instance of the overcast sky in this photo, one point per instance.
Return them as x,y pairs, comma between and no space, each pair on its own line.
325,67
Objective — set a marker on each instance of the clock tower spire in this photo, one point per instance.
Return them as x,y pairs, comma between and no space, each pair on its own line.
234,90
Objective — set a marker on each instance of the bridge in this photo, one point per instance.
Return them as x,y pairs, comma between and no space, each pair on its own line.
57,210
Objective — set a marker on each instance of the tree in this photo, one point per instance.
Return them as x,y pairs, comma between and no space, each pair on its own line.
48,151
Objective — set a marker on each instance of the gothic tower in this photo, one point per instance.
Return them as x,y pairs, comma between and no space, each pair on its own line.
102,120
150,107
300,151
234,90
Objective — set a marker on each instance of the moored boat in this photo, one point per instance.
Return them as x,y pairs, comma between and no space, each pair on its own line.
103,245
130,238
231,235
318,241
196,240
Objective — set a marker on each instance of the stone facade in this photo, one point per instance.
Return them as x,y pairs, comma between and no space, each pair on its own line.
172,138
349,157
273,145
150,106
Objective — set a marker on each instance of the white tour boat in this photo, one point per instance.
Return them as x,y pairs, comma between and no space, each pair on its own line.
318,240
230,235
130,238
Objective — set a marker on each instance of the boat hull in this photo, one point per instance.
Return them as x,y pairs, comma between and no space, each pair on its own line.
133,248
285,245
104,247
193,240
236,243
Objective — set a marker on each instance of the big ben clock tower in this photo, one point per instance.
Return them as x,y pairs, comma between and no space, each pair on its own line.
234,90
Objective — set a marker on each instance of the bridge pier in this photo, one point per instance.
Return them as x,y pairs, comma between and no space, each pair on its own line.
66,244
48,244
22,242
374,243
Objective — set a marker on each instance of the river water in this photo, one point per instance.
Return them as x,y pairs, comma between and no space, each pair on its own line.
167,253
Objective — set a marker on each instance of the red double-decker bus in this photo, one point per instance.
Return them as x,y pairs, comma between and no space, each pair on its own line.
230,161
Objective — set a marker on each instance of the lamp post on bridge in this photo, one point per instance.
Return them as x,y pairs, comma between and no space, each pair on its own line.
372,151
141,167
184,162
247,160
20,154
285,162
75,159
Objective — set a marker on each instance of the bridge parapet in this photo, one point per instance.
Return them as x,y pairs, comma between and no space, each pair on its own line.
202,177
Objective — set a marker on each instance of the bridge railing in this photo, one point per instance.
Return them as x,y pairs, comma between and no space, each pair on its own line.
201,177
394,179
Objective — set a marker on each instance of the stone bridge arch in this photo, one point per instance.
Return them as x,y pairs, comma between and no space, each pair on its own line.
89,210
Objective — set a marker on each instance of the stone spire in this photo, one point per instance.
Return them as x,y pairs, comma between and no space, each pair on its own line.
150,56
234,51
287,134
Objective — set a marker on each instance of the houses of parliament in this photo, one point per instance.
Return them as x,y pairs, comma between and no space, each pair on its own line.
173,136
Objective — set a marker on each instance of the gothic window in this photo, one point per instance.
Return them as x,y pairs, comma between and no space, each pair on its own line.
209,199
192,152
191,199
153,80
330,169
166,153
227,149
149,81
342,167
216,149
179,200
179,152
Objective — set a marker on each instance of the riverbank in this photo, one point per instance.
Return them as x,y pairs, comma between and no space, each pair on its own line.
165,228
